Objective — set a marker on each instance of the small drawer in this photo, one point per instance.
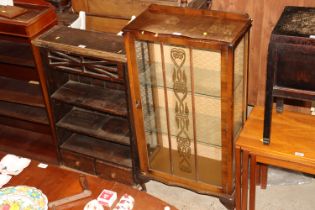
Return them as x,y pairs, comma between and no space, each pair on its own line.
78,161
114,172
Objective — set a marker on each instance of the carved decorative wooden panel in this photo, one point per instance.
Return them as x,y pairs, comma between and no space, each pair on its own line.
84,65
178,57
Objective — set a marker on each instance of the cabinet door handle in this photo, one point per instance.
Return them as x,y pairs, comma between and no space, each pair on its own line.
138,104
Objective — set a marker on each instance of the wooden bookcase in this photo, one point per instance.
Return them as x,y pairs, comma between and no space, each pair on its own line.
188,75
24,123
88,93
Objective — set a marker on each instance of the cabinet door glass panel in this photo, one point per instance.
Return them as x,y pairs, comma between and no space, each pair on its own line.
239,96
181,104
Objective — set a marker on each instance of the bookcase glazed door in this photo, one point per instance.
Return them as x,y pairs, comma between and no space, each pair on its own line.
182,115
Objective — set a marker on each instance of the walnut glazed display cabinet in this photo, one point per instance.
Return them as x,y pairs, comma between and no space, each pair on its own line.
187,73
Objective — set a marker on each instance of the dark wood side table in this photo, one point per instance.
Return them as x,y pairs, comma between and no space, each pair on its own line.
292,147
291,61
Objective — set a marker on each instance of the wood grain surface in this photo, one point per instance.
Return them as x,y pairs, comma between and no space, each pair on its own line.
265,15
57,183
292,137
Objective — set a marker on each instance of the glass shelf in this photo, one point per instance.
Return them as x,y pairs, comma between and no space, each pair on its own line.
208,128
210,85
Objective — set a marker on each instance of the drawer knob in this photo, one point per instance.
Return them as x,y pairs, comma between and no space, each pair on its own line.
113,175
77,163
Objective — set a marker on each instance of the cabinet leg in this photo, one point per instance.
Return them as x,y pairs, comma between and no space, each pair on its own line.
267,125
244,184
229,203
268,100
143,187
258,175
263,176
267,120
252,187
140,187
238,178
279,105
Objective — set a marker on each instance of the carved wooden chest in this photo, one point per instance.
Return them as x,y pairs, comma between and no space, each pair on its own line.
291,61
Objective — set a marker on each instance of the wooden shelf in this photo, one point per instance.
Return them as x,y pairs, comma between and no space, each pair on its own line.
102,150
23,112
89,100
35,145
208,127
21,92
16,61
24,125
16,54
105,127
93,97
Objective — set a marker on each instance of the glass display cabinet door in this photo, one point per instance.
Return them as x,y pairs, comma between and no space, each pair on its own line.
180,91
181,104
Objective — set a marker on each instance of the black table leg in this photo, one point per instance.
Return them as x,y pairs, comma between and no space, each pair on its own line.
268,100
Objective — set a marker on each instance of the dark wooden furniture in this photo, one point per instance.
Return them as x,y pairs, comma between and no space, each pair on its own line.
61,5
85,74
11,11
292,147
24,122
187,72
113,15
290,70
57,183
